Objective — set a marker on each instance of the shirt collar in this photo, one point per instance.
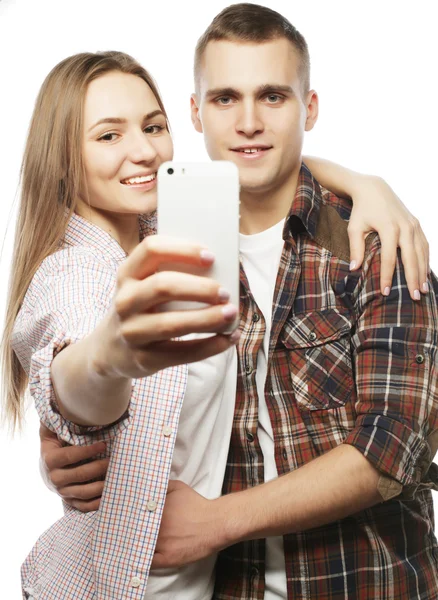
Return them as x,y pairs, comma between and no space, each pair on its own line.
304,212
81,232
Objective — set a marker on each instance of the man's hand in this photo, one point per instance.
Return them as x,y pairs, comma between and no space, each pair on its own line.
188,530
63,472
377,208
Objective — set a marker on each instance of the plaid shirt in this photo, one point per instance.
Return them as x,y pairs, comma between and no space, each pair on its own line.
104,555
345,365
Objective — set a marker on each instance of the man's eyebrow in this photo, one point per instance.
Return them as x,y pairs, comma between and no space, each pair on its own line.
117,120
225,91
274,87
262,89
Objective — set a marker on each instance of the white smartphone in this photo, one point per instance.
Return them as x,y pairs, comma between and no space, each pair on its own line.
199,202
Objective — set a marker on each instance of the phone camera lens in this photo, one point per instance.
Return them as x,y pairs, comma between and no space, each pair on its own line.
170,171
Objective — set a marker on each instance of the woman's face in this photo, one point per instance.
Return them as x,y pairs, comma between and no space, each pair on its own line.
125,140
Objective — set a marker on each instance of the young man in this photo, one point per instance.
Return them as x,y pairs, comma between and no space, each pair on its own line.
337,386
336,399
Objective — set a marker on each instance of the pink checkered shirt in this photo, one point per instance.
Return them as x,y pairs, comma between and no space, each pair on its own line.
104,555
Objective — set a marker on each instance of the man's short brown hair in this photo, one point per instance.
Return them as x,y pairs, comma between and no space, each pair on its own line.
253,23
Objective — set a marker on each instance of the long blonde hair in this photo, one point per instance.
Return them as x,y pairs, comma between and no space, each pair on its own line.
52,172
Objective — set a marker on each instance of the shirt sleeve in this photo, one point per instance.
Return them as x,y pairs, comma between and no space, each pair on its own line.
67,298
395,360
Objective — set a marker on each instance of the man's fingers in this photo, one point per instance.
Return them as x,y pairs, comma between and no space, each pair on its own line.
156,250
159,562
67,476
47,434
357,246
88,491
84,505
140,296
70,455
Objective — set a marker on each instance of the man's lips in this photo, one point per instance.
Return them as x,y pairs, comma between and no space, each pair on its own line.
251,151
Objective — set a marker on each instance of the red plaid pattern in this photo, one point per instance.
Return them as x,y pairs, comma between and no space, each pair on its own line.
346,365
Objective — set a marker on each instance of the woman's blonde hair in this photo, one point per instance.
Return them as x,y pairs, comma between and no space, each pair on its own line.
52,173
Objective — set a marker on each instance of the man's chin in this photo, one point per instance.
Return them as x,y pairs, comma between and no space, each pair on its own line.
255,184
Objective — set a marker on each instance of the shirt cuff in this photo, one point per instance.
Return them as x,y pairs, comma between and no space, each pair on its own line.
396,451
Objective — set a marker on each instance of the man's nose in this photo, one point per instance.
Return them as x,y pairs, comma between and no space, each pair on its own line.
249,122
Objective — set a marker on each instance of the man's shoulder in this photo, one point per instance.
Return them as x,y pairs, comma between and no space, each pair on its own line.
343,206
332,224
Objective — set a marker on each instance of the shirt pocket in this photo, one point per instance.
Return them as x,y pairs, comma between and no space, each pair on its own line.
319,358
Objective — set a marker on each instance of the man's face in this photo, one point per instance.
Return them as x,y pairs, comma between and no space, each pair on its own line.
251,109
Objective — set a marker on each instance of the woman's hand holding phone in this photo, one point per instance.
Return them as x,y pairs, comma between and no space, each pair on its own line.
140,339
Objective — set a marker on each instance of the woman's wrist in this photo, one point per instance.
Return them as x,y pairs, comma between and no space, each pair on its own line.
105,350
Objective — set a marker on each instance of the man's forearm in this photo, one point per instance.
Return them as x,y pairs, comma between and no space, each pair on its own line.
331,487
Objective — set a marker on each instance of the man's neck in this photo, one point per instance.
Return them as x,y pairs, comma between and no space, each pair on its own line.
261,210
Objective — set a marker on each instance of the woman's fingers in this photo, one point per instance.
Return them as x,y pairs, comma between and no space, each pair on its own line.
422,246
155,250
143,329
140,296
356,237
409,255
388,260
174,353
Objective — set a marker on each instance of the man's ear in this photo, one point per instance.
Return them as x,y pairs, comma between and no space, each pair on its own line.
312,107
195,113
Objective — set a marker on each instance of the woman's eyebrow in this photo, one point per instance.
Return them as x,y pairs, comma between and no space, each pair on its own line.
119,120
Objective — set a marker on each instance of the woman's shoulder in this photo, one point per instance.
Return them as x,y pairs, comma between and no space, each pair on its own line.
69,273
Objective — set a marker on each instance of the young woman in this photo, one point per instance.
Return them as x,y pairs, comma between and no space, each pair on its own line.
82,330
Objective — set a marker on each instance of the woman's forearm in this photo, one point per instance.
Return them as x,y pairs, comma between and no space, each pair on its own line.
88,391
339,180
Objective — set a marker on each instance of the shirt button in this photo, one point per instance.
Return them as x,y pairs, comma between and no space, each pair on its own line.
284,453
419,359
167,431
136,582
254,572
249,436
312,336
248,369
151,505
256,317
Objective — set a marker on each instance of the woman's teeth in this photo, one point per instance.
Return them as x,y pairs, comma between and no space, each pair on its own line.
137,180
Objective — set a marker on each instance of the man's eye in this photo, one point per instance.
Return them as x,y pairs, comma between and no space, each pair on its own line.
273,98
225,100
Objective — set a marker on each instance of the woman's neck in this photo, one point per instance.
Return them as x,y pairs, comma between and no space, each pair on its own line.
122,227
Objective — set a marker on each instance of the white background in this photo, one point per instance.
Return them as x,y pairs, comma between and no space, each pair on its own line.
373,64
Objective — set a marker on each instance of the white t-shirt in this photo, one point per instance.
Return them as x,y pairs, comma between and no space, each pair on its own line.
260,255
200,459
204,431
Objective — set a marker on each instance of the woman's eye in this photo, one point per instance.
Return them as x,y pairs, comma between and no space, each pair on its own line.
153,128
107,137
